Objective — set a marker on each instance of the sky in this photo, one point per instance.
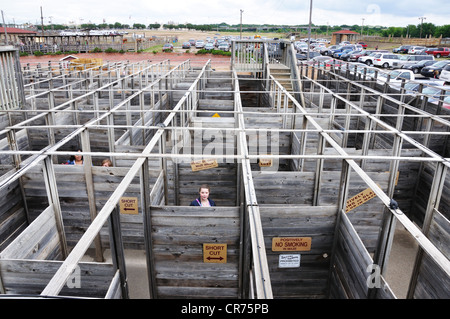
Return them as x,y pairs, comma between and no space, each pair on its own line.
276,12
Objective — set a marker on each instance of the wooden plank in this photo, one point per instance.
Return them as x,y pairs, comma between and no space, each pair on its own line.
36,239
31,276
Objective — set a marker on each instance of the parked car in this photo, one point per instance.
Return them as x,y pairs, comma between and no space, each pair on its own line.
209,46
401,49
317,46
199,44
168,47
438,52
385,60
353,57
224,46
436,93
434,70
327,50
192,42
368,59
186,45
363,44
346,55
338,54
323,40
415,49
411,59
301,47
325,61
417,66
303,56
413,86
445,74
396,77
341,48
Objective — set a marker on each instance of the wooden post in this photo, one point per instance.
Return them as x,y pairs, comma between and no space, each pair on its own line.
87,166
53,199
117,251
148,241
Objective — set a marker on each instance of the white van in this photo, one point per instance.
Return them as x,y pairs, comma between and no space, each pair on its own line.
385,60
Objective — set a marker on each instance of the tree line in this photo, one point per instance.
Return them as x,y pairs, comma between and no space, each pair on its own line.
414,31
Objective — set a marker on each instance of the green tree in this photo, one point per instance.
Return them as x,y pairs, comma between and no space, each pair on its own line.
443,30
427,29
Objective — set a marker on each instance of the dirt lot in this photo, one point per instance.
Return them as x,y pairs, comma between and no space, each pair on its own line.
218,62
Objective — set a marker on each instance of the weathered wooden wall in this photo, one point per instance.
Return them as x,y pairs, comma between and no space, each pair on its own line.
310,280
177,237
432,282
40,240
13,216
28,263
71,185
352,265
297,188
29,277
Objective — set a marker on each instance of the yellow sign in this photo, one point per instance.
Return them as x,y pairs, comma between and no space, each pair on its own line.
203,164
216,115
291,244
129,205
265,162
215,253
359,199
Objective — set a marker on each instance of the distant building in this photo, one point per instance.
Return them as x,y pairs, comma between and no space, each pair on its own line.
15,36
344,35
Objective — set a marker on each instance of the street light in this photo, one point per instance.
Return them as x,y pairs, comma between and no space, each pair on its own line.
421,23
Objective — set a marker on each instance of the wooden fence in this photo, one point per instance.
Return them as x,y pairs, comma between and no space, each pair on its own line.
176,252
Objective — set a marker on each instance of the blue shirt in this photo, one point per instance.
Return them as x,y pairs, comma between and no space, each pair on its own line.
197,202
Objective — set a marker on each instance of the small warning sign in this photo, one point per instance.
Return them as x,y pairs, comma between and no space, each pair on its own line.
289,261
203,164
265,162
215,253
359,199
129,205
291,244
216,115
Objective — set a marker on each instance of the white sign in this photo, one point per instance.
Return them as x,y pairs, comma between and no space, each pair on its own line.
289,261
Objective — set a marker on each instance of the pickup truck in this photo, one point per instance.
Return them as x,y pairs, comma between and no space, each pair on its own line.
438,52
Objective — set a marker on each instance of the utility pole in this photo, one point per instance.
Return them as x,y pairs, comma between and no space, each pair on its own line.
42,22
309,28
362,27
241,25
421,24
4,27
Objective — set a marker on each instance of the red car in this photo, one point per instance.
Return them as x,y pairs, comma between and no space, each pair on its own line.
438,52
355,56
364,45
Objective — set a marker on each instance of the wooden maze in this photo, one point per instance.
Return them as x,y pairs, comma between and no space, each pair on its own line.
303,173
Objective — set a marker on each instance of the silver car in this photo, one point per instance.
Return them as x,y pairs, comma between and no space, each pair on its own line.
224,46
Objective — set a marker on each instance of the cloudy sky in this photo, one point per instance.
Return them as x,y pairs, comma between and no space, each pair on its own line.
288,12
